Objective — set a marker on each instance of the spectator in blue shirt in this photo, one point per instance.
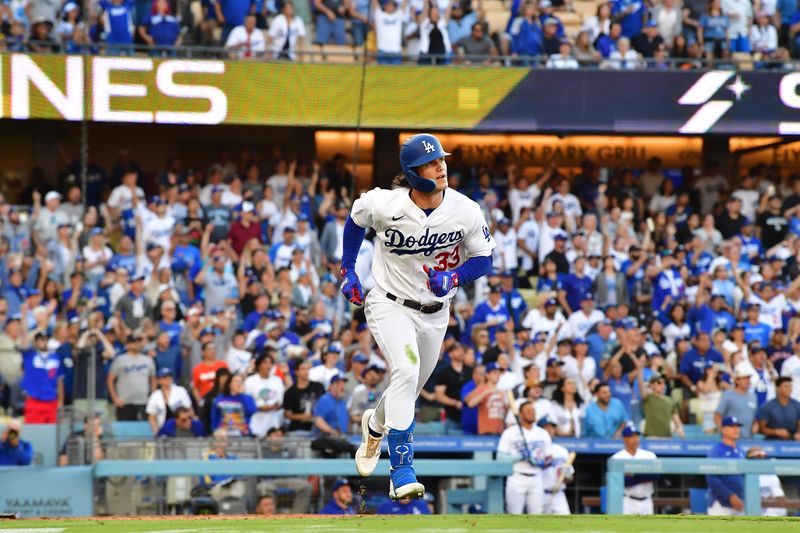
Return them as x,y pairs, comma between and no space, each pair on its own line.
233,409
341,499
515,302
493,313
119,25
605,417
526,32
469,415
42,380
168,354
780,417
694,362
231,13
753,329
607,43
182,425
13,450
577,285
726,493
330,412
631,14
161,29
551,280
634,268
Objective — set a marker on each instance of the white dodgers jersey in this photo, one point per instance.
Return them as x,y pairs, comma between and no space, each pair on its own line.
537,440
406,239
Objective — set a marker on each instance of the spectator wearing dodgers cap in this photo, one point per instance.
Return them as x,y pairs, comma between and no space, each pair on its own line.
341,499
726,493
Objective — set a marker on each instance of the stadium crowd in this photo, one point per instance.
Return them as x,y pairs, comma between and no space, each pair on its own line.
666,298
622,34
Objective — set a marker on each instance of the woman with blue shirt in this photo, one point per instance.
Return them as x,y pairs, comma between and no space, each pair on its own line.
713,34
233,408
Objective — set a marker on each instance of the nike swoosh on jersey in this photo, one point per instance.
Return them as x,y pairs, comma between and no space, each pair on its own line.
397,218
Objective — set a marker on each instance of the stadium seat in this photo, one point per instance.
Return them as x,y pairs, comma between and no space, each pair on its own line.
742,60
333,53
585,9
698,501
458,498
133,430
497,21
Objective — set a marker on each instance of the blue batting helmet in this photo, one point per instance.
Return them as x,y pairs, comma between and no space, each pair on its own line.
418,150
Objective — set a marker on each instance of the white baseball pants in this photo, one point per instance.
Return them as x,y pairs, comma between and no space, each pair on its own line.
524,492
717,509
556,503
410,341
633,506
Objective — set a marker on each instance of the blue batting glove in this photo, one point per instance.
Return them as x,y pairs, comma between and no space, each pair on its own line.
526,454
440,283
351,287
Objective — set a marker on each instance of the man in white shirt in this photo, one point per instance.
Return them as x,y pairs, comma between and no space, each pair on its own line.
527,446
528,242
286,33
555,498
747,192
546,320
582,320
740,14
324,372
246,41
267,391
572,206
563,59
167,397
791,369
505,254
638,498
121,198
388,31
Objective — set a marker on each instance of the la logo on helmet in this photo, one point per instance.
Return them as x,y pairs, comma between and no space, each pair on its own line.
428,147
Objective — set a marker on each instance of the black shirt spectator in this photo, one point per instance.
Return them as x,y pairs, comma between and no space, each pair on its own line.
771,225
450,381
648,40
560,259
729,223
299,400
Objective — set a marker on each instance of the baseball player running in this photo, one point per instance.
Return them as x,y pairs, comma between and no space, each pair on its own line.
429,240
638,496
529,448
555,497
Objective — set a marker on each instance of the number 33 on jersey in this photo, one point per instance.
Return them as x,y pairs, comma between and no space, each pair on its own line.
407,238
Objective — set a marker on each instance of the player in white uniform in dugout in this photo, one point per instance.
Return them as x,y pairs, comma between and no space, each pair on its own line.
429,240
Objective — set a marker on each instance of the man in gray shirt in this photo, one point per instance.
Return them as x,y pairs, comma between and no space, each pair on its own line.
221,287
131,379
365,396
740,402
475,44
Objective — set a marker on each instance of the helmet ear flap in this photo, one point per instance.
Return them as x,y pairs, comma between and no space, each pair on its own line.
418,182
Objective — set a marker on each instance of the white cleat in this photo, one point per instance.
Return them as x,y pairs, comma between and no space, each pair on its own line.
369,451
415,491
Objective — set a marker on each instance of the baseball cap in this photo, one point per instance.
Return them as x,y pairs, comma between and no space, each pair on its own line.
41,334
137,277
630,430
494,366
215,190
360,358
376,368
337,378
655,377
751,305
579,340
587,297
302,217
334,347
52,195
550,301
652,24
339,483
15,317
270,326
740,372
96,231
248,207
560,237
207,331
155,199
164,372
495,289
553,361
152,245
731,421
545,421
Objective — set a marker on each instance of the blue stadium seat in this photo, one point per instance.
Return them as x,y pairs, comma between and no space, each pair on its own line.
134,430
429,428
698,501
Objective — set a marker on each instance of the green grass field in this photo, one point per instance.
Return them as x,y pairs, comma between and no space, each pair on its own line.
411,524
